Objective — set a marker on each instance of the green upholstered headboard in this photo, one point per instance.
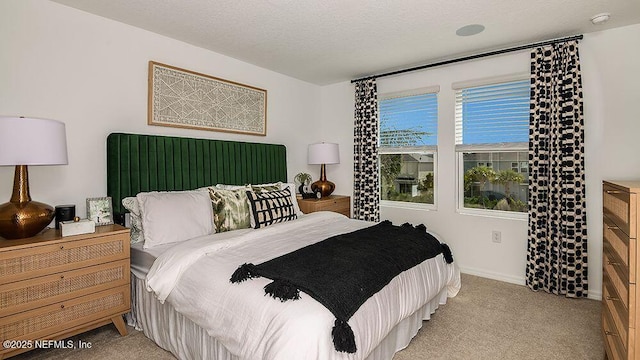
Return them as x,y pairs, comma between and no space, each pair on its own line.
138,163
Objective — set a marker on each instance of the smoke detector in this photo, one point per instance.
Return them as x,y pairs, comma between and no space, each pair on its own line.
600,18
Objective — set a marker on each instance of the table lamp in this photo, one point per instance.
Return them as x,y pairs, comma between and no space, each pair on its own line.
23,142
323,153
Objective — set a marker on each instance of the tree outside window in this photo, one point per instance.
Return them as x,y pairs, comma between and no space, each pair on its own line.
408,135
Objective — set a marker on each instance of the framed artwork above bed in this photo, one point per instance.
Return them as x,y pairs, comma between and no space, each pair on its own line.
187,99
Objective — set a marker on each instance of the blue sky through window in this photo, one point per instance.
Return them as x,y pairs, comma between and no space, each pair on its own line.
496,113
409,121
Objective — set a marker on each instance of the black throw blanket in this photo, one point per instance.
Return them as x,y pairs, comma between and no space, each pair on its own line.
343,271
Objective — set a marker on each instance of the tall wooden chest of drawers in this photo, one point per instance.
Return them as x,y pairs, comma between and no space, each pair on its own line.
53,287
620,290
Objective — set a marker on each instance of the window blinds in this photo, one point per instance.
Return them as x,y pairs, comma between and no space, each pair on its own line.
493,116
409,122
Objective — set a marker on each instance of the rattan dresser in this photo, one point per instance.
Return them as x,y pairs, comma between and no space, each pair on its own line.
620,291
53,287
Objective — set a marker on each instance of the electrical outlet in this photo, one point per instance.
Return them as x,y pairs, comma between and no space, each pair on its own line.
496,236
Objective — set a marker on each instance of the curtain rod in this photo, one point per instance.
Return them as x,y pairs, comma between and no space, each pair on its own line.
471,57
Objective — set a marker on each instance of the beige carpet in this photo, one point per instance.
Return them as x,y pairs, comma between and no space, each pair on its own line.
487,320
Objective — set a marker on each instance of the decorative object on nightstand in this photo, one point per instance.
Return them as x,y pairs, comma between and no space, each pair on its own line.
23,142
77,226
58,287
100,210
64,213
322,154
304,189
336,203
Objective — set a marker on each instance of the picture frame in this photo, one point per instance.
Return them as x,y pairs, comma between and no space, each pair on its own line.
100,210
186,99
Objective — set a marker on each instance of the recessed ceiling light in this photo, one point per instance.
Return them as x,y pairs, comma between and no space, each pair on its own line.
600,18
469,30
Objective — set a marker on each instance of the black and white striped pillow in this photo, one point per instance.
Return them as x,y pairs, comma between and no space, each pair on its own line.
271,207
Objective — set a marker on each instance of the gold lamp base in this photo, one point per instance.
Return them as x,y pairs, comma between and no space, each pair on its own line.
323,185
20,217
23,220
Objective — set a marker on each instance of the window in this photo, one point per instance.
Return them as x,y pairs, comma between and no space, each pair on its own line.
492,136
408,138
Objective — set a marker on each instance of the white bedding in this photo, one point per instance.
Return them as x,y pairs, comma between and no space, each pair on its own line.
193,277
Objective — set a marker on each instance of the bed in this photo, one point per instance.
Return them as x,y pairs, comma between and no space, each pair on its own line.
182,298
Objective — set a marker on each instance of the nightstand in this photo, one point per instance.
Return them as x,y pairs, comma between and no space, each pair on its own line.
54,287
336,203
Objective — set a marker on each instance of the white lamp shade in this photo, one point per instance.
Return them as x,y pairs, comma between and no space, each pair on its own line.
30,141
323,153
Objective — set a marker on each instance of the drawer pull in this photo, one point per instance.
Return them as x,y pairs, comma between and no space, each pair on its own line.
61,276
613,298
62,306
61,247
613,263
613,227
613,191
610,333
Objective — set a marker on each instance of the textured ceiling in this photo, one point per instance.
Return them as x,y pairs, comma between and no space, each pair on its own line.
328,41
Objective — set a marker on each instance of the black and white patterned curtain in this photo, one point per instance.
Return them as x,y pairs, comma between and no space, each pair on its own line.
366,178
557,249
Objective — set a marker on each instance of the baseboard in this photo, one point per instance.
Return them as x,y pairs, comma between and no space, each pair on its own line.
593,295
493,275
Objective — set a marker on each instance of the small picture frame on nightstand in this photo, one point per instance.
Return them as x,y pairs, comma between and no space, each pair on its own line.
100,210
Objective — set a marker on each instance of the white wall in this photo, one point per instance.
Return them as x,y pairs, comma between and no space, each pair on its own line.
91,73
610,78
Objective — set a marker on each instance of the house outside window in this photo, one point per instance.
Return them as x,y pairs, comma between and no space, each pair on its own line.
408,151
492,136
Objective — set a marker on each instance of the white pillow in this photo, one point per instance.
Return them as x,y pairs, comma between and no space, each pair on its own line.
229,187
292,189
137,231
169,217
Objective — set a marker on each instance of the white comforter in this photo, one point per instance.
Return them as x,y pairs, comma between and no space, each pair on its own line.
194,277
